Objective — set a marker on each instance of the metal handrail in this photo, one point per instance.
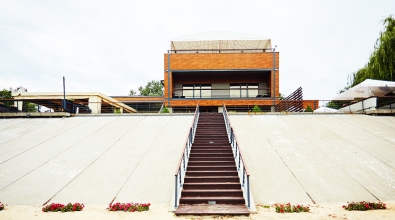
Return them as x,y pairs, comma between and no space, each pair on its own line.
182,165
242,169
161,108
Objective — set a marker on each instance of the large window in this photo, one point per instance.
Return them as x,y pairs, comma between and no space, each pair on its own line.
196,90
243,90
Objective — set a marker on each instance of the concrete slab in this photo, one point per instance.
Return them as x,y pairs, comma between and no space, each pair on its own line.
387,120
379,148
319,165
39,137
44,174
93,165
331,158
265,166
4,123
28,126
153,178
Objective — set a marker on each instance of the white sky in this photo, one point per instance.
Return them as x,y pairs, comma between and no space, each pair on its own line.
115,46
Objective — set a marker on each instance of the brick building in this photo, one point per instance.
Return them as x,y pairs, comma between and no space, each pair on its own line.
239,73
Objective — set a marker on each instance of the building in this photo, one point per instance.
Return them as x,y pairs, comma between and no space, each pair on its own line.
239,73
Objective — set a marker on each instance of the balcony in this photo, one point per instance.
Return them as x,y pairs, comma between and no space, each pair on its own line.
231,93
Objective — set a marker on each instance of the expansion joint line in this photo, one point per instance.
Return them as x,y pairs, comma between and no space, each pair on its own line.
304,189
29,131
96,158
342,168
127,179
42,141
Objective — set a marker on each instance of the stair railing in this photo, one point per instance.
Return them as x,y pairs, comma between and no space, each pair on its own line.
244,175
182,165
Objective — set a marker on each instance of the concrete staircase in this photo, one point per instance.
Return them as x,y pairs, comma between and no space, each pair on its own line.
211,185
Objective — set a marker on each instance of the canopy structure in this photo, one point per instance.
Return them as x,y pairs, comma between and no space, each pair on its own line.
220,42
325,110
368,88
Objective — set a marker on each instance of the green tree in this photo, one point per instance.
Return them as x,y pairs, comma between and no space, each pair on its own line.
381,65
5,94
308,109
153,88
30,107
132,92
256,109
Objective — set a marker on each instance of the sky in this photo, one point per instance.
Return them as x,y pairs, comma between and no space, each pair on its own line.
114,46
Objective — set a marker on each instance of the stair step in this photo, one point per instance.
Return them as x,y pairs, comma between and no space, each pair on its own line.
211,173
206,209
212,159
209,151
212,163
212,185
214,154
211,179
211,168
212,192
218,200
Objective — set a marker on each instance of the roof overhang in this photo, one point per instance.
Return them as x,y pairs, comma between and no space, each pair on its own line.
72,95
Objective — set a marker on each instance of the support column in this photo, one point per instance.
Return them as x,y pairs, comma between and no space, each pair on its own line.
18,104
95,104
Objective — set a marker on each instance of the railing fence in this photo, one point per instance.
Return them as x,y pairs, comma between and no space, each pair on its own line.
182,165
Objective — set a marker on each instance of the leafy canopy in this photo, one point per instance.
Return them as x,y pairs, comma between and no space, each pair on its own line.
153,88
381,64
5,94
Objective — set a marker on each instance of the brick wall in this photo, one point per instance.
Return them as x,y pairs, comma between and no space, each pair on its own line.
215,61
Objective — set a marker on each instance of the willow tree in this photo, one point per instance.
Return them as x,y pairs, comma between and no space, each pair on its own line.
381,63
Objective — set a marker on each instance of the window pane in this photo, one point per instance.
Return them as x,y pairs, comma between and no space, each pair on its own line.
187,91
243,89
252,90
235,91
206,91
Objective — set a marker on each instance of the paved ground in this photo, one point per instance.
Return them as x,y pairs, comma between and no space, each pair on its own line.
292,158
320,158
90,159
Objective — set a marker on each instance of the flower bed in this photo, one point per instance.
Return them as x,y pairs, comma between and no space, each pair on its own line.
56,207
129,207
283,208
1,206
363,206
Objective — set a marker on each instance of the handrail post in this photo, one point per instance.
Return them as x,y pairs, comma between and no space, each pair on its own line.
248,192
175,195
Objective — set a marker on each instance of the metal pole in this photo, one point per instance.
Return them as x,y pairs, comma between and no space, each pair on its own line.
64,95
168,78
175,193
248,191
274,79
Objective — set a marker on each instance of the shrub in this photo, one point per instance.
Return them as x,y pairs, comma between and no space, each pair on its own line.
165,110
56,207
363,206
256,109
129,207
283,208
308,109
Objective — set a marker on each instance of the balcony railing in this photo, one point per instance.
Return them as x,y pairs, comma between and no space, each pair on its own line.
221,93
